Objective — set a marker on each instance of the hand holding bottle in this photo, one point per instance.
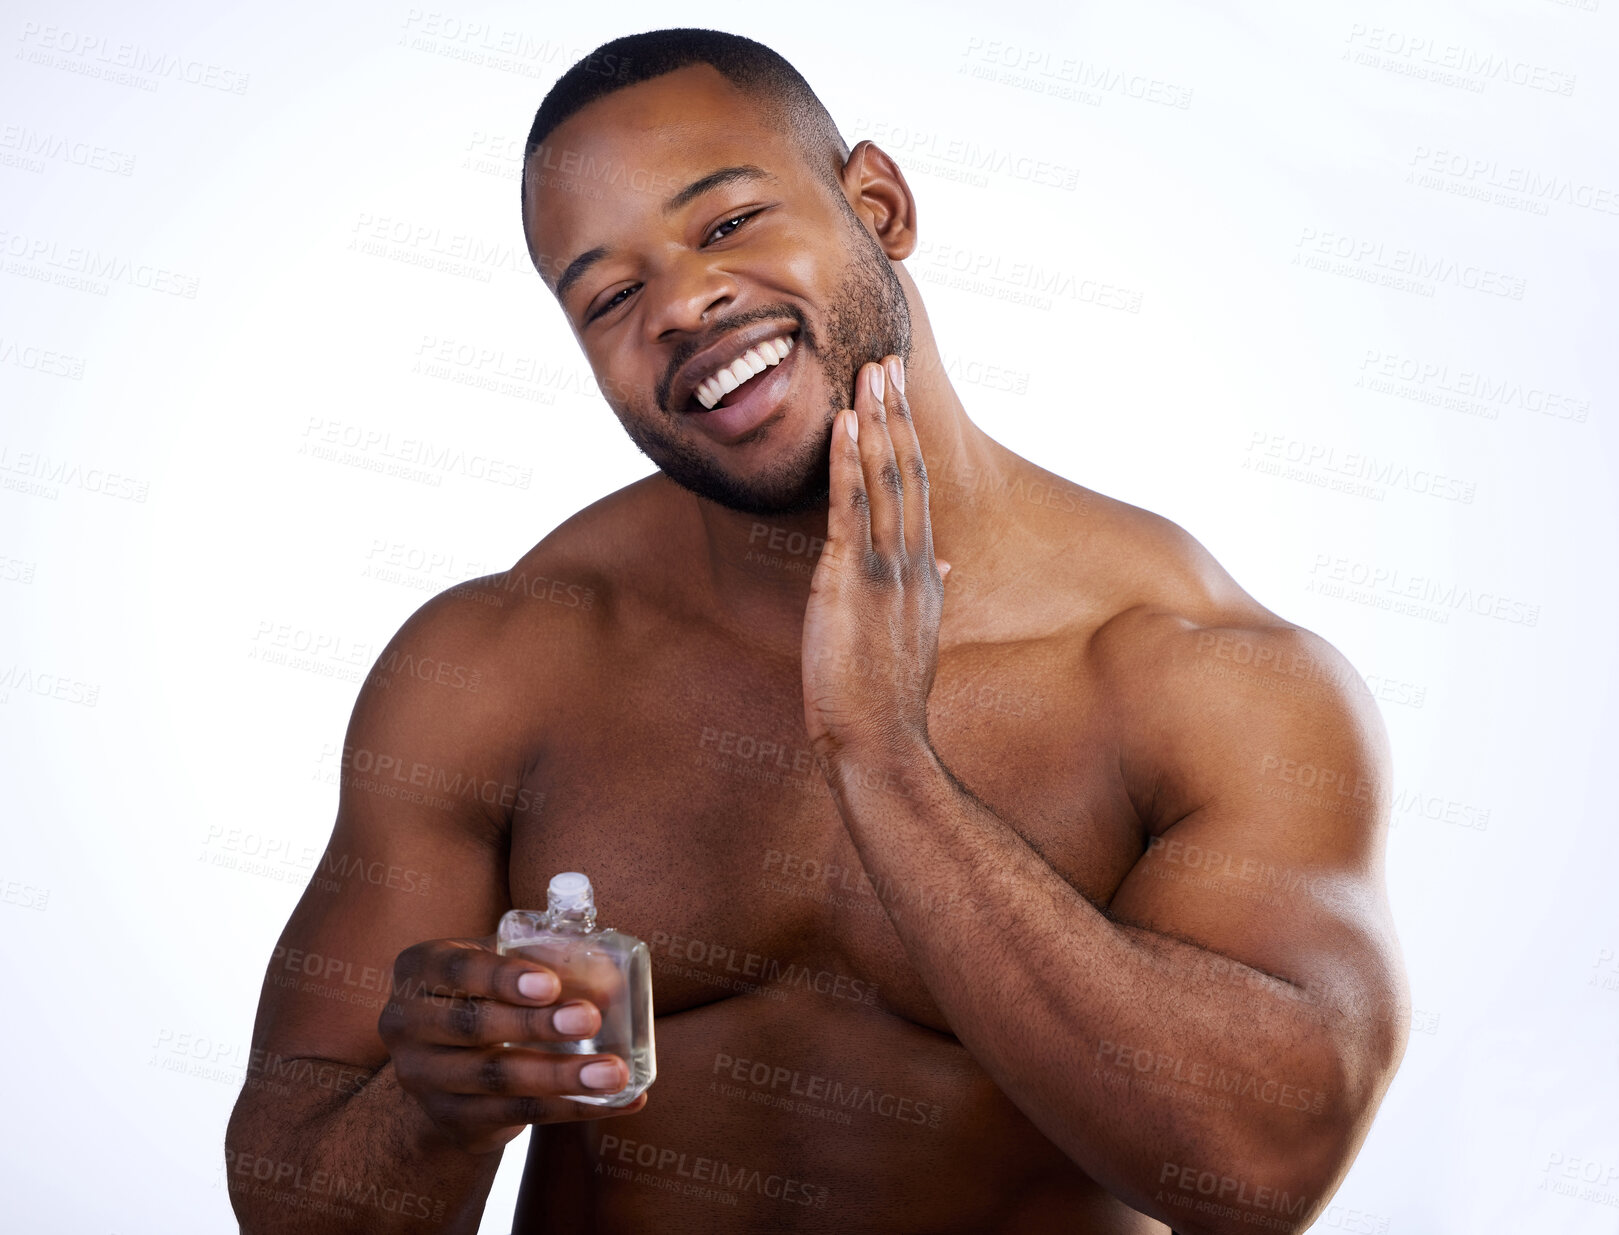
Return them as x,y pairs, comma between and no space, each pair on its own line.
456,1004
608,969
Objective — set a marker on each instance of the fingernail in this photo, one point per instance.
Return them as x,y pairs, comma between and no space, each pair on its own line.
537,986
944,568
877,382
851,422
573,1019
603,1075
896,370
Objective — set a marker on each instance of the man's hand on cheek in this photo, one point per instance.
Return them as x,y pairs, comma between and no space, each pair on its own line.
871,631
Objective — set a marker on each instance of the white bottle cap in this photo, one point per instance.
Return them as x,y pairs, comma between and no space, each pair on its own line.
571,890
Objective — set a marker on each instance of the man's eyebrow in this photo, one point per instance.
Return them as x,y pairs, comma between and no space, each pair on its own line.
577,267
724,175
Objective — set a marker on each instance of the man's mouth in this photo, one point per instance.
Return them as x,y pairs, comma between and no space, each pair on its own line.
741,404
728,382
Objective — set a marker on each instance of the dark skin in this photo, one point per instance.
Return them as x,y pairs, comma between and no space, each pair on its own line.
1039,893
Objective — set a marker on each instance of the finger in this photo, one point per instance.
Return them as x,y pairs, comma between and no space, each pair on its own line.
511,1071
462,968
884,483
908,455
488,1022
848,519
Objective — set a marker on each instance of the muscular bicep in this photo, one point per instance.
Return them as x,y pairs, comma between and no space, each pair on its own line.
431,777
1273,791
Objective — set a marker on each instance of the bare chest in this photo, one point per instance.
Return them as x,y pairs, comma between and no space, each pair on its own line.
683,784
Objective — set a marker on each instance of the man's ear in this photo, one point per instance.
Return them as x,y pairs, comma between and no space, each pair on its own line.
878,194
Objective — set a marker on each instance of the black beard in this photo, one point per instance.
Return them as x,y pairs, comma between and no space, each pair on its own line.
868,319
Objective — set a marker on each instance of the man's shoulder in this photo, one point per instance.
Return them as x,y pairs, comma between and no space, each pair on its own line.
532,617
478,674
576,570
1186,640
1144,569
1209,693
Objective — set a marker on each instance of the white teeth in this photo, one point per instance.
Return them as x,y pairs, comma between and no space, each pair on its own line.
756,359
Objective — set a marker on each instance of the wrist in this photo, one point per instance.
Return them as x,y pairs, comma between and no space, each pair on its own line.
894,765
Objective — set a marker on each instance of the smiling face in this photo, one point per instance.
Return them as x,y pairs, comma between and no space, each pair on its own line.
680,225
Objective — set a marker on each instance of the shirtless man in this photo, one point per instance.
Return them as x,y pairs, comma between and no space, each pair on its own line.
1041,892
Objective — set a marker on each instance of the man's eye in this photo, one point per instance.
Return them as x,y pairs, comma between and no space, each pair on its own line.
734,222
614,302
738,220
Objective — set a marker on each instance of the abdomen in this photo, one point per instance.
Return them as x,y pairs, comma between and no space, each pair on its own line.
792,1110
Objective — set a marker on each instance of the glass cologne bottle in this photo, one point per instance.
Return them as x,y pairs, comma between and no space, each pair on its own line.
609,968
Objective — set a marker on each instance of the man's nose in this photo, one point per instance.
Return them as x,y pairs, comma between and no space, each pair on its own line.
690,293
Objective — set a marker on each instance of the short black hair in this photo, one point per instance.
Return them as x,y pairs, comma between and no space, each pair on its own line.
749,66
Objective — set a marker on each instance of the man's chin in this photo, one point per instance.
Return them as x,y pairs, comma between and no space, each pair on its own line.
781,486
751,496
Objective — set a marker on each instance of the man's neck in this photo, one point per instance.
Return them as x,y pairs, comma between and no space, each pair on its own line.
759,566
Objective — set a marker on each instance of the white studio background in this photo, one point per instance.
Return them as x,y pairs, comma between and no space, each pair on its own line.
1322,283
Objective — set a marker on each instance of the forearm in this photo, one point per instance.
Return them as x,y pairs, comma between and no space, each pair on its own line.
1142,1057
300,1158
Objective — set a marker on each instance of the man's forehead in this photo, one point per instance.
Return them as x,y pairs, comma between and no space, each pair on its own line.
622,157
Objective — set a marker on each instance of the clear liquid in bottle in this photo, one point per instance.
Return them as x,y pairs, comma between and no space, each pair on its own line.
609,968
